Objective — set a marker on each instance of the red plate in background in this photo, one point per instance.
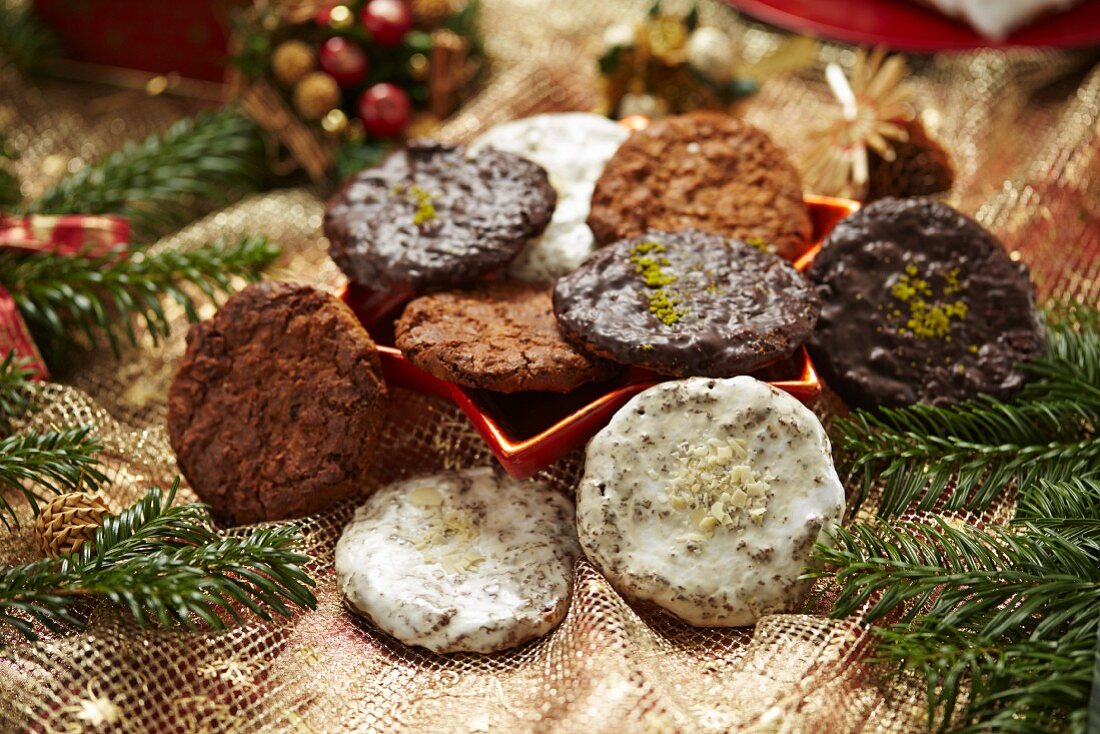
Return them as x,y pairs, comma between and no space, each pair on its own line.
528,432
907,26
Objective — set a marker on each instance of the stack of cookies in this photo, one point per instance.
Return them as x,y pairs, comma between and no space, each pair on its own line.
553,252
558,249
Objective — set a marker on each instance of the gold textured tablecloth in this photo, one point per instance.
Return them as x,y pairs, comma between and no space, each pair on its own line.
1023,128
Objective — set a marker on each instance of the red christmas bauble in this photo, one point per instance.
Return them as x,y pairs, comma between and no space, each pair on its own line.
385,110
388,21
343,60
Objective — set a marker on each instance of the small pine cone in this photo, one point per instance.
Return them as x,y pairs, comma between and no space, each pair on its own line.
67,521
920,167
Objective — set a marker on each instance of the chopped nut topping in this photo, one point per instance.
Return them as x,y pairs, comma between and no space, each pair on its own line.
717,485
448,534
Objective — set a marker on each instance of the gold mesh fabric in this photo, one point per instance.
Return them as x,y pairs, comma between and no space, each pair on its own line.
1023,129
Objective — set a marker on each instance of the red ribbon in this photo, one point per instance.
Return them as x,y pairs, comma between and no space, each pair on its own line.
83,235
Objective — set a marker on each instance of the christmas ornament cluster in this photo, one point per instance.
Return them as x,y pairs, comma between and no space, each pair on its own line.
669,63
367,69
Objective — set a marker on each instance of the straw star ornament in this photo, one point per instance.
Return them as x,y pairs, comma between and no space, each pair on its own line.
873,108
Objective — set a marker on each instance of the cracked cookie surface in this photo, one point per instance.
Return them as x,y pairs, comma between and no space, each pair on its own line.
502,337
706,171
276,407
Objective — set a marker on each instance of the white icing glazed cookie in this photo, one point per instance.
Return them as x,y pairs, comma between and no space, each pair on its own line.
706,496
460,562
573,148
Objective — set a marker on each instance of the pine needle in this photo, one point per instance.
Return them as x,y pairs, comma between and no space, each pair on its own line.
1010,616
16,389
161,183
167,567
54,461
103,297
967,456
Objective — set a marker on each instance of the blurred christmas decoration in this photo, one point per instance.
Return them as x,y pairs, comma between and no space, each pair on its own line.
337,84
67,522
668,64
24,41
10,192
874,146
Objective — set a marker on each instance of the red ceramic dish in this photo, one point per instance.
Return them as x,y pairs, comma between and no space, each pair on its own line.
907,26
528,432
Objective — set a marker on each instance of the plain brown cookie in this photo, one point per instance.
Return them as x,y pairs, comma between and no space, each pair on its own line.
501,337
705,171
276,407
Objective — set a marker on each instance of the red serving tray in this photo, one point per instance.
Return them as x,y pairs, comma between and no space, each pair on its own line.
528,432
907,26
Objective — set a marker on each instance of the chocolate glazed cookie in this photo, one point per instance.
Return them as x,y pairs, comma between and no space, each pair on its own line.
921,305
705,171
430,218
276,407
686,303
501,336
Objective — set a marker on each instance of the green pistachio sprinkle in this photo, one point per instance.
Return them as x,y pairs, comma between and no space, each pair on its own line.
663,304
663,301
926,318
425,212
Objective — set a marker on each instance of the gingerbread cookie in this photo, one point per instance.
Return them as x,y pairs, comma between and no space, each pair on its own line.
921,305
276,407
706,497
686,303
573,147
707,171
465,561
502,336
432,217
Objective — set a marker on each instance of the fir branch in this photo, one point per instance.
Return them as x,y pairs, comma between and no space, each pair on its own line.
56,461
167,567
968,455
988,582
1093,717
16,388
1038,687
104,296
1011,615
158,182
24,40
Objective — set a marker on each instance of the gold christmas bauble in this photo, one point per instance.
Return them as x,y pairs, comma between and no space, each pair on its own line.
291,61
67,521
315,95
419,67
